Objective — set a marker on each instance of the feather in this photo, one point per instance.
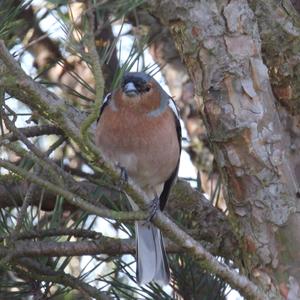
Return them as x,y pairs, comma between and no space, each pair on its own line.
104,104
170,181
152,263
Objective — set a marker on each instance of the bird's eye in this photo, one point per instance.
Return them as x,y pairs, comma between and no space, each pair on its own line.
148,88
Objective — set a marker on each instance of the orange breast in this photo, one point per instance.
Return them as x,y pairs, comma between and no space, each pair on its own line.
146,146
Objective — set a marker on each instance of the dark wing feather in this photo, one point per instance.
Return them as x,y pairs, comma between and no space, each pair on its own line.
104,104
168,184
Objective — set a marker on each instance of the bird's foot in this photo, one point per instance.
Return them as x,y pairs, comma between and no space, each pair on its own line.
123,175
153,208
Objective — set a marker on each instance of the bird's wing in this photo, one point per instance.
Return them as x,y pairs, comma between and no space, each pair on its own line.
168,184
104,104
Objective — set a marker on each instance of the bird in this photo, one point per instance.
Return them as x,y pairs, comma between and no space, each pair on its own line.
139,130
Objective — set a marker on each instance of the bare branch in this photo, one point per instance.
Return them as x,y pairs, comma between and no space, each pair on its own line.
31,132
102,245
83,233
37,271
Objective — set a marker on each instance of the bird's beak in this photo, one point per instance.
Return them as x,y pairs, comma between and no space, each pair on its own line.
130,89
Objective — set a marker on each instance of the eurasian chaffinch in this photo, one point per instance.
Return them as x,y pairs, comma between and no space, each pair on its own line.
139,130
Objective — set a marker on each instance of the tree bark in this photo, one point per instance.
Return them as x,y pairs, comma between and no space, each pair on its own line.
220,44
279,26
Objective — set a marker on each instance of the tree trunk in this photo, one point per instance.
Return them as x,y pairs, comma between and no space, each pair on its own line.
220,44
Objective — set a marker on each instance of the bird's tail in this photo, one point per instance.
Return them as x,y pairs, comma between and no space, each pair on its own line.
152,262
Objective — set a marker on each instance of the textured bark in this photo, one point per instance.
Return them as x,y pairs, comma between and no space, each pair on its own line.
296,4
279,26
220,44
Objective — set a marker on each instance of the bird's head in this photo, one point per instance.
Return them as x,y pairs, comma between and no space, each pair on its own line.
139,90
136,84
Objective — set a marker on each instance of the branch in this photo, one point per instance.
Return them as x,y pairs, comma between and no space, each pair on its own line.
37,271
207,260
12,191
31,132
73,198
83,233
211,224
18,84
101,245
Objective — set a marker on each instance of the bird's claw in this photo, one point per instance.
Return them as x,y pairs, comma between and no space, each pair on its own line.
153,208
